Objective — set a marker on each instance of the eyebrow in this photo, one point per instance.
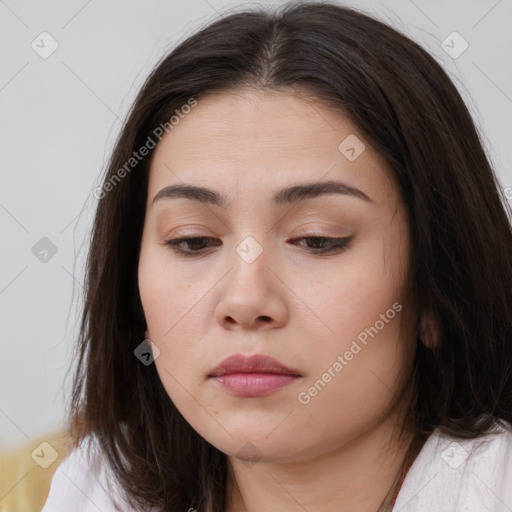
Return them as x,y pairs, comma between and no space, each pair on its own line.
288,195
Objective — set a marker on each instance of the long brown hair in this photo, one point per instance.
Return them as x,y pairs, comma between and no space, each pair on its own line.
461,256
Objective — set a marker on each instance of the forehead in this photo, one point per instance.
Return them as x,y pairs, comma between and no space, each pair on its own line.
253,141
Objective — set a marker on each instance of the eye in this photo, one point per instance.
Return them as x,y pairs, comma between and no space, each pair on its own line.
193,246
196,244
323,244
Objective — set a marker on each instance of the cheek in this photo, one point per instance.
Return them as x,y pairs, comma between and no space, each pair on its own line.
353,383
344,297
358,311
165,297
168,306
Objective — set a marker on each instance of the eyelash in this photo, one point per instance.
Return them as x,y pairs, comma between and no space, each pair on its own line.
337,244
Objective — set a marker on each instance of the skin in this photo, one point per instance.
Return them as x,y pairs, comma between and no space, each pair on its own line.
341,451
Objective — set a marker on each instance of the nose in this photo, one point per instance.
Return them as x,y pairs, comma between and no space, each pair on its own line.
253,295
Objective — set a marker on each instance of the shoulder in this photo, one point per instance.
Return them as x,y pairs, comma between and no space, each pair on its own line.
461,475
80,483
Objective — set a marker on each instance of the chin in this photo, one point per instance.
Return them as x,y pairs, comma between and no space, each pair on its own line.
253,445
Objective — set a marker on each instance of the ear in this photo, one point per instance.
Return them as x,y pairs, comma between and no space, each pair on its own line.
146,335
428,330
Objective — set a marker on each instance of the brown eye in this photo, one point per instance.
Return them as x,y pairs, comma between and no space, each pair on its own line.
195,244
322,244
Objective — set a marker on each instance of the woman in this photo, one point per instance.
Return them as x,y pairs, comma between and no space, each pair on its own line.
299,284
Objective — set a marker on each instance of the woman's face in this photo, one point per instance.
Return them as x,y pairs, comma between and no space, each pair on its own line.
255,280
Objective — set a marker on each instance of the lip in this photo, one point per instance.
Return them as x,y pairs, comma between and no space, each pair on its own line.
256,363
252,376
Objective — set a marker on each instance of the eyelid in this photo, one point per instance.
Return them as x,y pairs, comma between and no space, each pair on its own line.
189,231
336,245
324,228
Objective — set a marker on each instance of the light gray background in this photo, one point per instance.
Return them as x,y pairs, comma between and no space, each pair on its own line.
59,118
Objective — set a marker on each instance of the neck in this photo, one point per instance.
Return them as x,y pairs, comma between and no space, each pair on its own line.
356,476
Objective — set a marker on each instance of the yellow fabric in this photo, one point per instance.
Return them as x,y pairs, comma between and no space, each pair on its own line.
26,472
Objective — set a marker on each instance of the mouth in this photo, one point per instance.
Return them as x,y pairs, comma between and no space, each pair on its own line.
252,376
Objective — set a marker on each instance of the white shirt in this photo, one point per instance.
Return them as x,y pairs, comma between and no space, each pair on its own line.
448,475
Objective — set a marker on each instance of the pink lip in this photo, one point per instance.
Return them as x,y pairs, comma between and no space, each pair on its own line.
252,376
